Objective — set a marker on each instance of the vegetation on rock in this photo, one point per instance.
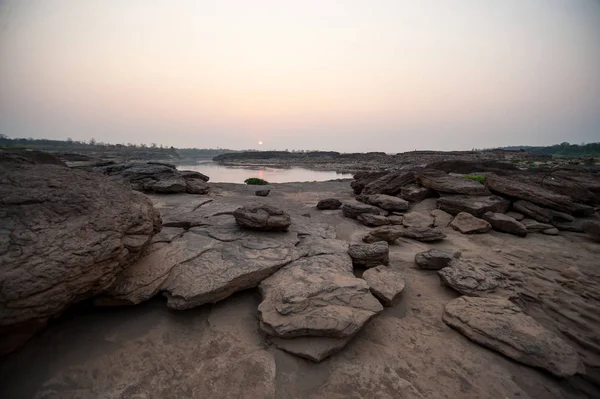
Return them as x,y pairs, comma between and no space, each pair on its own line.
256,181
477,178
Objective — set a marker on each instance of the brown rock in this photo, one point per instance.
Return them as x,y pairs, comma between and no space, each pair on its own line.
505,223
370,255
353,210
390,184
372,220
384,283
418,220
361,179
470,278
476,206
442,182
386,202
435,259
469,224
441,219
388,234
329,203
416,193
540,214
263,217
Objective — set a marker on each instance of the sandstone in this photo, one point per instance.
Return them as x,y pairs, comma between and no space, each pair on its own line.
440,218
417,219
370,255
329,203
385,283
426,234
470,277
372,220
263,217
416,193
388,234
442,182
353,210
385,202
435,259
505,223
475,205
540,214
390,184
469,224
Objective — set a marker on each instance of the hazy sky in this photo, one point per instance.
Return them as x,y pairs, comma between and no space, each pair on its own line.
348,75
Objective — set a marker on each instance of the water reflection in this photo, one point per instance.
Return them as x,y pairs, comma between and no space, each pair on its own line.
237,174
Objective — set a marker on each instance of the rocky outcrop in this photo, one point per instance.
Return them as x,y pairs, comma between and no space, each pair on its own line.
385,283
262,217
313,298
445,183
329,203
386,202
64,236
505,224
469,224
476,206
470,277
353,210
416,193
372,220
516,215
540,214
156,177
363,178
370,255
500,325
390,184
388,234
424,234
466,167
536,194
417,219
435,259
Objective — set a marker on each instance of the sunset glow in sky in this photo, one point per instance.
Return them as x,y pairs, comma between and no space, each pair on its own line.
353,75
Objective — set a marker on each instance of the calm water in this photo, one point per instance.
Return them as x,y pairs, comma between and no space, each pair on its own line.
237,174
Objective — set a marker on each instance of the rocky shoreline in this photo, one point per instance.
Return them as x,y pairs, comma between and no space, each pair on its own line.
412,282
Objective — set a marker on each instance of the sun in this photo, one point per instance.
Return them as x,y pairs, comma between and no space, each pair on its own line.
260,143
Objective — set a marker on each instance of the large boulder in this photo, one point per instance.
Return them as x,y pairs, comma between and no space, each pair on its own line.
353,210
469,224
385,283
536,194
156,177
475,205
390,184
416,193
64,236
314,305
385,202
329,203
262,217
541,214
435,259
445,183
370,255
505,224
361,179
470,277
500,325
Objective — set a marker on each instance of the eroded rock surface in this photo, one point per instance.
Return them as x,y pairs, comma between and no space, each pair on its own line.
417,219
470,277
435,259
353,210
475,205
505,223
370,255
385,202
385,283
372,220
388,234
469,224
502,326
262,217
442,182
415,193
329,203
64,237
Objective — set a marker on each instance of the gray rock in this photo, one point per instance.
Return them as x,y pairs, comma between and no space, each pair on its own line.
386,202
470,278
498,324
475,205
262,193
417,219
361,179
65,235
395,219
426,234
193,175
469,224
353,210
329,203
312,348
416,193
440,218
535,226
370,255
196,186
263,217
385,283
390,184
540,214
516,215
172,184
442,182
551,232
388,234
372,220
592,228
505,223
435,259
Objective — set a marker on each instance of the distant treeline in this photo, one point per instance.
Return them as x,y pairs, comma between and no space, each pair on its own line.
563,149
245,155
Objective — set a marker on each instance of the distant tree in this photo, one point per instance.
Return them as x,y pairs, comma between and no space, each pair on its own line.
153,145
92,141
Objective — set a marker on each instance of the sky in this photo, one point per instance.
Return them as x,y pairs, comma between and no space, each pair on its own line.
345,75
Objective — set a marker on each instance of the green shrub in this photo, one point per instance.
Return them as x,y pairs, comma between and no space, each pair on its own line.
256,181
477,178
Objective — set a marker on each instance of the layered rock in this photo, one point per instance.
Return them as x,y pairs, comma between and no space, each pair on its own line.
388,234
424,234
417,219
435,259
262,217
475,205
386,202
64,236
505,224
370,255
156,177
353,210
445,183
364,178
470,277
592,228
469,224
385,283
500,325
440,218
416,193
540,214
390,184
329,203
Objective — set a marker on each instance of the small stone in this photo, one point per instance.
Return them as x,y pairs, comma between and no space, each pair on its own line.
551,232
329,203
505,224
262,193
370,255
264,217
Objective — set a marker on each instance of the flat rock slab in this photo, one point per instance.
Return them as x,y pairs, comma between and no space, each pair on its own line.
435,259
440,218
425,234
370,255
442,182
385,202
541,214
505,224
329,203
469,224
475,205
500,325
316,296
353,210
390,184
385,283
533,225
262,217
471,278
312,348
372,220
417,219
